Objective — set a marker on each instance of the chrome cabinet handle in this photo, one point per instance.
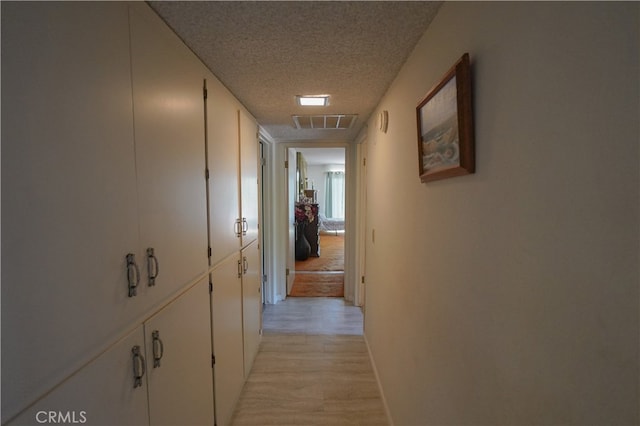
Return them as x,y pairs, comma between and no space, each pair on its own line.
153,267
239,268
158,348
133,274
238,228
245,226
139,367
245,265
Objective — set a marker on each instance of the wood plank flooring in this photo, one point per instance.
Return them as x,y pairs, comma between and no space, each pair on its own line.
312,369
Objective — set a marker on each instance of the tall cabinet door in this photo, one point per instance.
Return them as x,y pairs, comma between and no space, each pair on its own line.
248,176
251,304
105,392
69,208
180,375
222,162
227,336
169,138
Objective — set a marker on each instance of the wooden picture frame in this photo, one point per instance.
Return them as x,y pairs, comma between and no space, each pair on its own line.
446,145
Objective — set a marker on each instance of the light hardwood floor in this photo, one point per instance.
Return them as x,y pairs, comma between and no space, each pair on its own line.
312,368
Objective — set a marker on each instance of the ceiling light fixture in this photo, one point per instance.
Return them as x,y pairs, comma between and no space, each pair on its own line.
318,100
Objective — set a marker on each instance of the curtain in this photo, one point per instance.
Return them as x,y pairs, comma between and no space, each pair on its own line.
334,195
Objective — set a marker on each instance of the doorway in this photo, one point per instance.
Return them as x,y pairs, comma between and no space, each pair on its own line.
319,217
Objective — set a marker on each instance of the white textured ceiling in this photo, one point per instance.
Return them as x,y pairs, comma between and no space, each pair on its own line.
267,52
323,156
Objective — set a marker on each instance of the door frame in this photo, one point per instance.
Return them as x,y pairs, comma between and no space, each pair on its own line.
274,222
291,182
278,210
361,224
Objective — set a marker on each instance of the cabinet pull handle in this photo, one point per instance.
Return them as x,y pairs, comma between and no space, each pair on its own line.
133,274
153,267
238,228
245,264
158,348
239,268
245,226
139,367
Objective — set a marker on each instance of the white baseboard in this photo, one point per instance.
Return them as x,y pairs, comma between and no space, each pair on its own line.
375,372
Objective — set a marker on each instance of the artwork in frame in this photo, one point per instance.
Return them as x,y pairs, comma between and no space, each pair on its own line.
445,126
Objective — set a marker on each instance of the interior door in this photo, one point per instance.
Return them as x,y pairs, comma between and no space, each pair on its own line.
263,236
362,226
292,191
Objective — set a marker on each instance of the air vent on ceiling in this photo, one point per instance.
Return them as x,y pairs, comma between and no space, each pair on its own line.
329,121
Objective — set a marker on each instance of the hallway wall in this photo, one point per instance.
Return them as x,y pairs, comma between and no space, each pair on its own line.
510,296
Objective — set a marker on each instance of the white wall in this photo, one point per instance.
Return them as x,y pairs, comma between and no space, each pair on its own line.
511,296
318,174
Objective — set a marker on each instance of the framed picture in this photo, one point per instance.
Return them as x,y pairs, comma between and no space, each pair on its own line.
445,126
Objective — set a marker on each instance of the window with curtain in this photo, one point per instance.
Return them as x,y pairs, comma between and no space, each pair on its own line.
334,195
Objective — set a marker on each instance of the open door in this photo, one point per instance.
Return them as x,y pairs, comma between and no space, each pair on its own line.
292,190
361,231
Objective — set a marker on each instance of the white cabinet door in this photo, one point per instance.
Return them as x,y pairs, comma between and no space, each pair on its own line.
69,207
251,304
101,393
169,125
227,336
248,176
222,161
180,375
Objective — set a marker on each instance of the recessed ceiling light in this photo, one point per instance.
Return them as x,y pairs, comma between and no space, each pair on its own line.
318,100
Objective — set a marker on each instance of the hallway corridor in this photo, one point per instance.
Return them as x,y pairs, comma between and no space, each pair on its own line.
312,368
